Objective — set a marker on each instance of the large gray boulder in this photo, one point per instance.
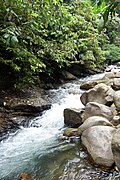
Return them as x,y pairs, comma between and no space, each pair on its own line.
116,147
73,117
101,93
97,109
116,99
97,140
93,121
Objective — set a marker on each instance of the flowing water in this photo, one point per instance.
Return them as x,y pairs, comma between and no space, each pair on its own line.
38,150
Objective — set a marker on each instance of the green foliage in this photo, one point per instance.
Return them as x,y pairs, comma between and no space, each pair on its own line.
113,53
107,8
113,47
45,36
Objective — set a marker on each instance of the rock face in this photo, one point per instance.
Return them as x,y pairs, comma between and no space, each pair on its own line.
116,147
93,121
17,107
101,93
97,140
117,100
28,101
96,109
6,125
73,117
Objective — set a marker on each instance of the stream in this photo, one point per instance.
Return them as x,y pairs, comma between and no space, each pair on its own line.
38,150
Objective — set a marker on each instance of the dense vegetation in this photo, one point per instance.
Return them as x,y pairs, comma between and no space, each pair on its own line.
43,37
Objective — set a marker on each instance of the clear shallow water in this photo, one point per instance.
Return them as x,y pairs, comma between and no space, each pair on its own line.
37,150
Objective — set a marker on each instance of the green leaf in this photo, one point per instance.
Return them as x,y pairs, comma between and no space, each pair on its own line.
14,40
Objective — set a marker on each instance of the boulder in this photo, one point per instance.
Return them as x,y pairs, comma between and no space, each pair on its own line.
88,85
112,75
116,84
73,117
68,76
97,140
97,109
116,99
93,121
116,147
101,93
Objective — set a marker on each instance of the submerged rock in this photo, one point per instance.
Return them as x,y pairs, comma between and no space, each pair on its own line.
98,140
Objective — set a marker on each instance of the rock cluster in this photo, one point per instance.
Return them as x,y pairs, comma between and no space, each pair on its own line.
98,125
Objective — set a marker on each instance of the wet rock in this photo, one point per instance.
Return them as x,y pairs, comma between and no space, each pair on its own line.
31,108
73,117
26,100
70,132
7,125
97,140
93,121
101,93
116,147
97,109
116,99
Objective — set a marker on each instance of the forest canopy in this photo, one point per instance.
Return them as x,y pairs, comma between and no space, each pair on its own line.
47,36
